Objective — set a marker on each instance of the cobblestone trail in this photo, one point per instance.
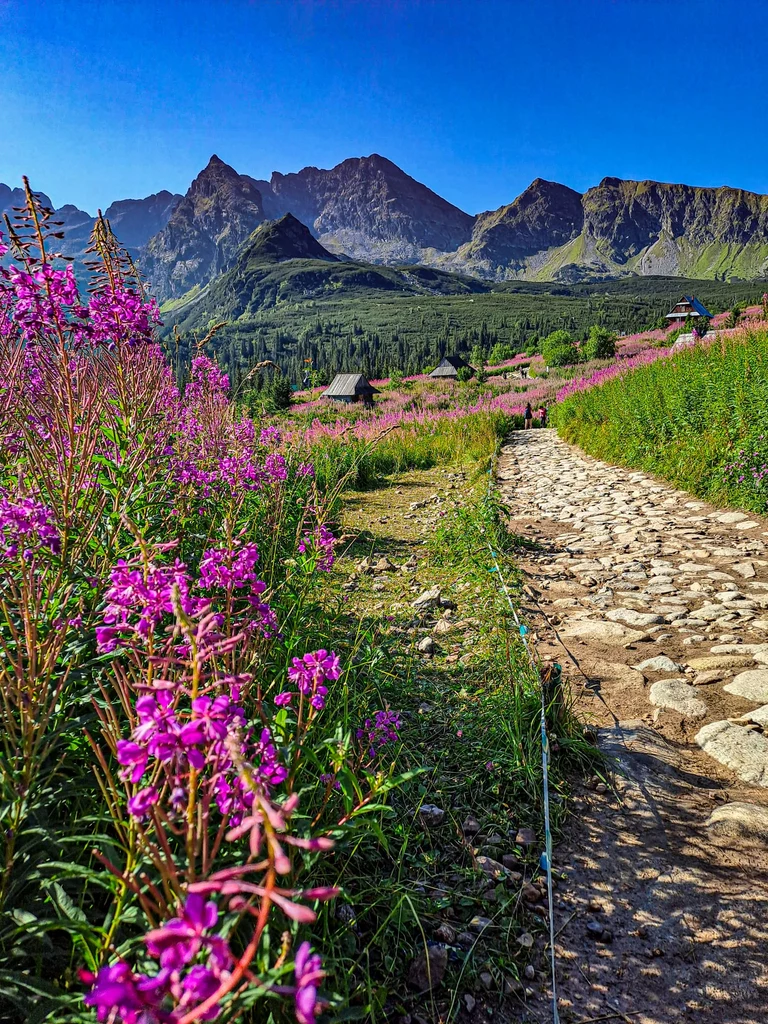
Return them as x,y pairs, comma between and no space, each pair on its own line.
656,604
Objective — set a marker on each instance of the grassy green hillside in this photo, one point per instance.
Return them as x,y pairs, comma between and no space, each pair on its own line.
698,419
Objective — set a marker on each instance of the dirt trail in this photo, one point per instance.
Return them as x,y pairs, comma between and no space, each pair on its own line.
672,864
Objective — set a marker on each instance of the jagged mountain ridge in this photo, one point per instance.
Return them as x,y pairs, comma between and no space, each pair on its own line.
367,209
219,211
134,221
371,211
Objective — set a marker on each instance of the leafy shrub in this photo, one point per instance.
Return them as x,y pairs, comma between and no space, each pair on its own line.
558,349
600,343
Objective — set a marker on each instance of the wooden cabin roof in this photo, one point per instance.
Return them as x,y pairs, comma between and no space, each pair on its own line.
347,385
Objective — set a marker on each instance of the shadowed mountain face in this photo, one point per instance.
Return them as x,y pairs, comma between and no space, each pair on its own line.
204,232
365,207
283,239
134,221
369,208
545,216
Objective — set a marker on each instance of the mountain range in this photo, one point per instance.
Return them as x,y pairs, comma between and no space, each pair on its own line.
368,211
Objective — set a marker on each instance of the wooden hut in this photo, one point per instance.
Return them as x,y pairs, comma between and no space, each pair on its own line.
351,387
449,366
689,306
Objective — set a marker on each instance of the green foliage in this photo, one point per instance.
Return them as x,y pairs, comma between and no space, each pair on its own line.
701,325
478,356
360,327
558,349
500,352
464,374
600,344
280,391
699,419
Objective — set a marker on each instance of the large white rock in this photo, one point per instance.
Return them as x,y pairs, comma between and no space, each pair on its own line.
740,749
661,663
710,612
607,632
751,685
730,517
678,695
634,618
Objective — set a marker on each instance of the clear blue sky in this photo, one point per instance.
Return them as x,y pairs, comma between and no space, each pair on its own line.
102,99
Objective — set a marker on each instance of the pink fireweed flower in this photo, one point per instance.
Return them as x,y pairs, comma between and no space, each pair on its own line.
309,974
179,941
221,567
270,436
118,994
311,672
138,600
26,524
139,805
321,543
383,729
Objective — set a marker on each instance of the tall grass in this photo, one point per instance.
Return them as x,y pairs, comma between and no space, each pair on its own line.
698,417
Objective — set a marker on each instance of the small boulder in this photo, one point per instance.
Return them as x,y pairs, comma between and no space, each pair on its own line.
470,826
428,968
427,599
431,815
661,663
741,819
526,837
677,695
426,645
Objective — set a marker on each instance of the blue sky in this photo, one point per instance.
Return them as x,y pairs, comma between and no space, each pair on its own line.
102,100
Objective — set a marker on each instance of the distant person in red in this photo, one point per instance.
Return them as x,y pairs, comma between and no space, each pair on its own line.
543,414
528,416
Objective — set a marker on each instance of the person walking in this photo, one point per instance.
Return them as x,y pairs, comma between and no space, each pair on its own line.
528,416
543,414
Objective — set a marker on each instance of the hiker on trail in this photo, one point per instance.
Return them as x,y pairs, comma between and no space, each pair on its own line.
528,416
543,414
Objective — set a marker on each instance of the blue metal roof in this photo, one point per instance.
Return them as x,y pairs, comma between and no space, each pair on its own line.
700,308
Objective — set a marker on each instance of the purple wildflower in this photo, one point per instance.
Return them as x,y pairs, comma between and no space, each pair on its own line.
309,973
311,672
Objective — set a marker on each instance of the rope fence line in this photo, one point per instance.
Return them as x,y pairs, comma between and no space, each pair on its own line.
546,856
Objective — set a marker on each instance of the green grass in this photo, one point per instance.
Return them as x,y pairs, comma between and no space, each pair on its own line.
471,717
699,419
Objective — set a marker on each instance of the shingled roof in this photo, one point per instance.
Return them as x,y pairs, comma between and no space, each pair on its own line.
347,385
449,366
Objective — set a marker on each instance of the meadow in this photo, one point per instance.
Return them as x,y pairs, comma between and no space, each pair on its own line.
697,416
214,757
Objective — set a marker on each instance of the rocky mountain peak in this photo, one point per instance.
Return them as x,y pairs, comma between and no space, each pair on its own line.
284,239
207,227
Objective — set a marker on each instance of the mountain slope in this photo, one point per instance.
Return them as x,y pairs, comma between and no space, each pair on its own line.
283,239
544,216
205,230
370,208
649,227
135,221
282,264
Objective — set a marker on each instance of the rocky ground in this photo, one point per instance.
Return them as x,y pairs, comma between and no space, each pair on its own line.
656,605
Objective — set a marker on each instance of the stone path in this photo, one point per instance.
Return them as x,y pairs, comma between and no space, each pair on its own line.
656,604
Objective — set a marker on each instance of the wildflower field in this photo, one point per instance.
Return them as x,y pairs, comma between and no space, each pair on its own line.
696,416
213,755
